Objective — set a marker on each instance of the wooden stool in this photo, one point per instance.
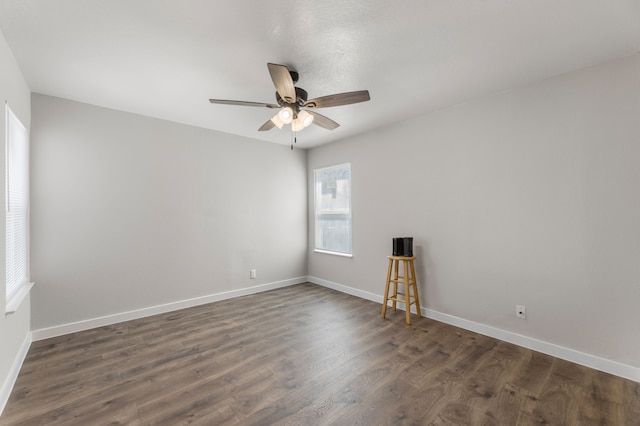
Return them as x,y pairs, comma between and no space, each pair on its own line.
408,280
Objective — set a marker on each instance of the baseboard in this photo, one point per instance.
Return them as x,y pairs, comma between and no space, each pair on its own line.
46,333
591,361
7,386
346,289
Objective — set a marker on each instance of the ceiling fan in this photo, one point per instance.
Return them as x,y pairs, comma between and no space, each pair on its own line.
295,108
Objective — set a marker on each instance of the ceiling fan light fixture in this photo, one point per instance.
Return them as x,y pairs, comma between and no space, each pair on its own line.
297,125
277,121
286,115
304,119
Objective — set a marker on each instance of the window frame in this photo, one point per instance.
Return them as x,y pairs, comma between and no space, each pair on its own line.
316,213
18,287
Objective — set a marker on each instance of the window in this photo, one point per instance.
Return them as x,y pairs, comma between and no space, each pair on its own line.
16,210
332,187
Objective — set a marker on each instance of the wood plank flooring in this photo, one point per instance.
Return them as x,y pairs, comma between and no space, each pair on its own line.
305,355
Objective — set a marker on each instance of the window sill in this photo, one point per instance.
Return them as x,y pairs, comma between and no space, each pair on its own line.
335,253
16,300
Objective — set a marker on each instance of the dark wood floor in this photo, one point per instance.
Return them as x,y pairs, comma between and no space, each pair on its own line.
305,355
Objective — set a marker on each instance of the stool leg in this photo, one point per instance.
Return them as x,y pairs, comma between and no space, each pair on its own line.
386,289
407,292
395,284
415,289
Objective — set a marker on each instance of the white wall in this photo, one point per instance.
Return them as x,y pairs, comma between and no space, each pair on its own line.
14,328
130,212
530,196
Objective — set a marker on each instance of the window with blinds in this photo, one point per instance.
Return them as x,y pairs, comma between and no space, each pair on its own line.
333,209
16,208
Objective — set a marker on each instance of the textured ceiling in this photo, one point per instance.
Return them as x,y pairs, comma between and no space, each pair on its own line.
166,58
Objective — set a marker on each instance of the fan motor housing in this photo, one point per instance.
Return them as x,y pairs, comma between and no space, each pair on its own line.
301,97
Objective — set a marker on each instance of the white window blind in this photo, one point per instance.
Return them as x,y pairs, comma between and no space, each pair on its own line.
333,209
16,204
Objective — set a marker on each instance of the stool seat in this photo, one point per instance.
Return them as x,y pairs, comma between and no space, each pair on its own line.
409,291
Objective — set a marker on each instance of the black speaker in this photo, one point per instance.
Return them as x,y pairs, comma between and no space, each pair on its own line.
403,246
398,248
407,243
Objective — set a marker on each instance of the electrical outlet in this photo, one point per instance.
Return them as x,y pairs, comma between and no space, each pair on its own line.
521,311
252,274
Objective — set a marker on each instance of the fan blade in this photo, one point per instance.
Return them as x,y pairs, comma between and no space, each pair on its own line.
338,99
268,125
284,83
322,121
242,103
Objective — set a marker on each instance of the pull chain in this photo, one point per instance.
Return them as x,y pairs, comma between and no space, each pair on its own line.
294,138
